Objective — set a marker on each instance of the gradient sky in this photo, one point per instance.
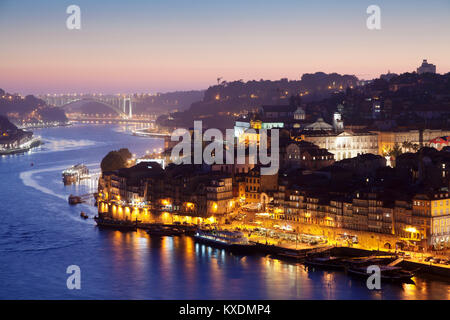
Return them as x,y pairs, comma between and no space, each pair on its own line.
165,45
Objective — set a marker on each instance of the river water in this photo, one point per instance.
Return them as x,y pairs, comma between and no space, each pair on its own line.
41,235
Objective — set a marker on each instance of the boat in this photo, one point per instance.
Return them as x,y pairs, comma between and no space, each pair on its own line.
84,215
231,240
367,261
74,174
162,230
388,273
325,262
75,199
116,224
291,255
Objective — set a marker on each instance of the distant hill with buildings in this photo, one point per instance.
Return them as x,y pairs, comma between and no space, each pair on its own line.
14,140
402,100
29,109
222,102
6,125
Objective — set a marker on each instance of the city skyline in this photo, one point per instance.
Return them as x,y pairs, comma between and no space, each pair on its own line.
175,45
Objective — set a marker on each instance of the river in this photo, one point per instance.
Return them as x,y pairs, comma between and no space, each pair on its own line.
41,235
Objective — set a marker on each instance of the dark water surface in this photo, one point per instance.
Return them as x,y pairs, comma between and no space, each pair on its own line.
41,235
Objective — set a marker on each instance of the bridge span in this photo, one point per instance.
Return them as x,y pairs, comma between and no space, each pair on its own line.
109,120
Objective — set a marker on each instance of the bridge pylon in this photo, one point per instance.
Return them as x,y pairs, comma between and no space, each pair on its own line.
130,106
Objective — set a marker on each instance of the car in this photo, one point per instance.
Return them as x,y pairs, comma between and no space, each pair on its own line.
435,260
427,259
407,256
447,262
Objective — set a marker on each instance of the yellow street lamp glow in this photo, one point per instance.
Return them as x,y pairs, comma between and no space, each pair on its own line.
189,205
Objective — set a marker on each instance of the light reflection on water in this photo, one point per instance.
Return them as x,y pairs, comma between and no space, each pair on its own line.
189,270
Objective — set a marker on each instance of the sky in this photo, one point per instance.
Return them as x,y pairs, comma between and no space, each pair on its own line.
166,45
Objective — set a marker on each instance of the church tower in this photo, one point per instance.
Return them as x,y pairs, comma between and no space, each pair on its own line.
338,123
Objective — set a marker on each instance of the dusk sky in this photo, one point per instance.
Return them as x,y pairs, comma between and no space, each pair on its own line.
166,45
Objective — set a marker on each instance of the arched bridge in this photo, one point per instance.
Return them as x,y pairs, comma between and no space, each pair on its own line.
119,109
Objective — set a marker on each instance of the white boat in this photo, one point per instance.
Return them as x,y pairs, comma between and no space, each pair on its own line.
232,240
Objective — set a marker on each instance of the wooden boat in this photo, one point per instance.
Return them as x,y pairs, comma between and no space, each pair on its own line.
162,230
326,262
291,255
116,224
366,261
73,200
388,273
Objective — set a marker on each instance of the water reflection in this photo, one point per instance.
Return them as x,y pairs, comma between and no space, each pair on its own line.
178,267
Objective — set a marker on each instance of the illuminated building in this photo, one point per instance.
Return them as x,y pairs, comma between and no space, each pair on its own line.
431,218
388,139
343,145
219,196
426,67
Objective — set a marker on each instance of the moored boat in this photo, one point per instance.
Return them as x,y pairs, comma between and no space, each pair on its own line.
387,273
325,262
291,255
162,230
84,215
116,224
231,240
75,199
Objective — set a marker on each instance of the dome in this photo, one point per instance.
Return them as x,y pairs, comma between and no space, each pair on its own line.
299,114
320,124
299,110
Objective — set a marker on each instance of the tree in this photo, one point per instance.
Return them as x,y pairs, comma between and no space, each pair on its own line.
409,146
112,161
394,153
125,153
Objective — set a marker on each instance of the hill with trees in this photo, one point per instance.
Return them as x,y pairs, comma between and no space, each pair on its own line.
28,109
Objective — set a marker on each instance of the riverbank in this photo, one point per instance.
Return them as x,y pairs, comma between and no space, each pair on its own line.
150,133
46,125
33,143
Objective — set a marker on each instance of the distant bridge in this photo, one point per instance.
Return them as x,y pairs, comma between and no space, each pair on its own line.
120,104
109,120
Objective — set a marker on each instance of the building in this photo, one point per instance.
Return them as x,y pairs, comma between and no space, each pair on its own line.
431,219
278,111
219,196
347,144
259,188
303,154
407,140
440,142
426,67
